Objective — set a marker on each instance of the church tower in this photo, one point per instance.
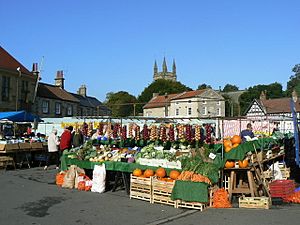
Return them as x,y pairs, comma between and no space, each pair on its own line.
165,74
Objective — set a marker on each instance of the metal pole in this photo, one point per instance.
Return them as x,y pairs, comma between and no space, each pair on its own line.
17,95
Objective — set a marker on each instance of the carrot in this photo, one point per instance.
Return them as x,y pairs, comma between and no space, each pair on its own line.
220,199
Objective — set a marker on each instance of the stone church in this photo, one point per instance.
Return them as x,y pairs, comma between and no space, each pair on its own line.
165,74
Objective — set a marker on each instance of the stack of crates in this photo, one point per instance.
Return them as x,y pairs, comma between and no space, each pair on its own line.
281,188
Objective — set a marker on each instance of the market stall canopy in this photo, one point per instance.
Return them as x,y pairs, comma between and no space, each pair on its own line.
19,116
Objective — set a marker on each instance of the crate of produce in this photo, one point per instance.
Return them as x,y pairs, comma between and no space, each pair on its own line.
284,171
254,202
161,191
141,188
281,188
191,205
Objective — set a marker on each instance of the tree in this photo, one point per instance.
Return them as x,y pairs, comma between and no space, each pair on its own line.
203,86
230,87
294,82
273,90
121,103
161,87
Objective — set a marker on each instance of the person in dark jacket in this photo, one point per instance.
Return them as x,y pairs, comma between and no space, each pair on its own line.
77,139
247,132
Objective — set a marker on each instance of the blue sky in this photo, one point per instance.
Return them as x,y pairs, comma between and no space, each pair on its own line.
111,45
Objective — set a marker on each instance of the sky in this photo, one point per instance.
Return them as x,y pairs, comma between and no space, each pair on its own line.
111,45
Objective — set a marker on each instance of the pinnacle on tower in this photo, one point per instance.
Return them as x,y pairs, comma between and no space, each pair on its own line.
174,68
165,69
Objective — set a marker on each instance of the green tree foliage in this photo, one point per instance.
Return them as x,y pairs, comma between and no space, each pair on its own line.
203,86
230,87
273,90
294,82
121,103
161,87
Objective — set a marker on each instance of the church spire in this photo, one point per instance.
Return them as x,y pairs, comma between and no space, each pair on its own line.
155,67
174,68
164,67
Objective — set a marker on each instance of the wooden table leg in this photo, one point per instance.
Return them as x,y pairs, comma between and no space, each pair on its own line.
231,184
252,185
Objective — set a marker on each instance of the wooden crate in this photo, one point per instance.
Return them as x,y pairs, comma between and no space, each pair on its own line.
254,202
2,147
285,173
141,188
191,205
37,145
11,147
161,192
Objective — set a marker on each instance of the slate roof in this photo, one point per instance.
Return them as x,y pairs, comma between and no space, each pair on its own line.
89,101
10,63
54,92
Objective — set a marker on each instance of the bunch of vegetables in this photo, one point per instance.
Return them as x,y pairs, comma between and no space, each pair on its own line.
100,128
145,132
220,199
197,132
109,130
153,133
162,133
137,133
188,132
180,132
149,152
294,198
124,132
192,176
116,130
208,129
130,128
171,133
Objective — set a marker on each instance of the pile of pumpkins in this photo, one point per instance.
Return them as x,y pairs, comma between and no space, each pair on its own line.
160,173
229,144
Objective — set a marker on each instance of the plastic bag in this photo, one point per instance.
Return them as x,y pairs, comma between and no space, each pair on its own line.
69,179
99,176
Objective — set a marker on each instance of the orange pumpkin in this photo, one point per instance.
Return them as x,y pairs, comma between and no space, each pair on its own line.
236,139
229,164
227,143
148,173
235,145
160,172
227,149
137,172
243,164
174,174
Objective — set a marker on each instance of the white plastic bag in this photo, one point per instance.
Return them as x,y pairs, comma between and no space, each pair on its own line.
99,177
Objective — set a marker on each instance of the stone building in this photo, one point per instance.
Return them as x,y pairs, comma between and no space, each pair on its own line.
165,74
17,84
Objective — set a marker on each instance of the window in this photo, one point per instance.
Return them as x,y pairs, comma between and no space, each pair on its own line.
5,88
218,112
57,108
203,110
218,102
24,91
177,112
189,101
189,111
69,110
204,102
45,106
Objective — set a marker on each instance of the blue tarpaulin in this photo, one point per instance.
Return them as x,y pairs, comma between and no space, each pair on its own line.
19,116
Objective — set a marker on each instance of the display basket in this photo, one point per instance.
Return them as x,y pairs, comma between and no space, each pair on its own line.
254,202
282,188
141,188
161,192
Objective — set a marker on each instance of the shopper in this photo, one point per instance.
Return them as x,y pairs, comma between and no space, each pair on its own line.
53,152
65,140
247,132
77,139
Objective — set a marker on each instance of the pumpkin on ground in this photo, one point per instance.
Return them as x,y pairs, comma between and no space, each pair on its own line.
236,139
229,164
137,172
174,174
160,172
243,164
148,173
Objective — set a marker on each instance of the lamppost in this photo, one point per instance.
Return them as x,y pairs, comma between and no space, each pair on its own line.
17,95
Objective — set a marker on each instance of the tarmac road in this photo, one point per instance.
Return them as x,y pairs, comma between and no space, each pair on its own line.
30,197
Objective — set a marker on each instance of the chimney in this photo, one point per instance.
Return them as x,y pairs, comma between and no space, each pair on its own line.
294,96
59,80
35,68
263,96
155,95
82,90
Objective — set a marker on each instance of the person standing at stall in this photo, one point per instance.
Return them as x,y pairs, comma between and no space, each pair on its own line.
53,152
65,140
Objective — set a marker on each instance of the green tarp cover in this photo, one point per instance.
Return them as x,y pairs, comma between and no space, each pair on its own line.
190,191
240,151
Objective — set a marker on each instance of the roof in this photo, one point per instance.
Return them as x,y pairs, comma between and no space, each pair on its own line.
89,101
160,101
54,92
278,105
18,116
10,63
189,94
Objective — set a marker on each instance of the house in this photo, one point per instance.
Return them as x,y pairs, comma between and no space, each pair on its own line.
17,84
276,111
53,101
205,103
